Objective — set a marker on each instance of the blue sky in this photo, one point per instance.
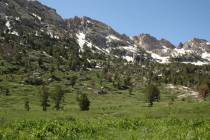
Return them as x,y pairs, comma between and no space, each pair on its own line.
175,20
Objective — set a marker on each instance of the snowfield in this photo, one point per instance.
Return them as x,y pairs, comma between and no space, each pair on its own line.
198,63
206,55
158,58
112,37
177,52
81,40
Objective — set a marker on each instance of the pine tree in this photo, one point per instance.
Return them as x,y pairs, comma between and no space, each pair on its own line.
84,102
58,97
44,98
152,94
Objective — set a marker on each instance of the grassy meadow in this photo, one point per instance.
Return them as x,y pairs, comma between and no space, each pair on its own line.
116,115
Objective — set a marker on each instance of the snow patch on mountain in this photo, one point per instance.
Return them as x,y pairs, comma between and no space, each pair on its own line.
158,58
128,58
81,40
132,49
112,37
182,51
8,25
206,55
198,63
36,33
165,49
17,18
52,35
36,16
14,33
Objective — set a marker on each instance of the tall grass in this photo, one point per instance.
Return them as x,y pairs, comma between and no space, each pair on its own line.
149,129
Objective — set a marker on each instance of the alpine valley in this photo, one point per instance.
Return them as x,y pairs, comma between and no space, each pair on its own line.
78,78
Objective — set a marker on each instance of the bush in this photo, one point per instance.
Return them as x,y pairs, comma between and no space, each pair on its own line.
84,102
27,105
203,90
34,81
102,91
152,94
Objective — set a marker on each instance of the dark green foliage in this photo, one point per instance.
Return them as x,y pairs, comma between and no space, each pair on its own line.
34,81
44,98
58,97
127,82
203,90
72,80
56,78
4,91
27,105
152,94
83,101
122,82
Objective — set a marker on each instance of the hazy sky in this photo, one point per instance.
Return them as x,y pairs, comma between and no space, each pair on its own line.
175,20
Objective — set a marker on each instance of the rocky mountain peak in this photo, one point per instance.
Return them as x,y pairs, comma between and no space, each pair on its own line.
196,43
151,43
29,9
146,41
96,32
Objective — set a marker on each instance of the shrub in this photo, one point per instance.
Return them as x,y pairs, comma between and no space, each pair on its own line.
27,105
203,90
84,102
152,94
102,91
34,81
56,78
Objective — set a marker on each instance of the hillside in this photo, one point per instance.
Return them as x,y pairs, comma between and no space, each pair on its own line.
25,22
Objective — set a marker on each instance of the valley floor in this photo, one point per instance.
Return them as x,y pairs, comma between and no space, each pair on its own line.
116,115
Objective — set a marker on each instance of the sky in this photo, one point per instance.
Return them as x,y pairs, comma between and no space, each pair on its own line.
175,20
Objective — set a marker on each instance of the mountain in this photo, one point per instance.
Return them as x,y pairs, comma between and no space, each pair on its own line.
37,31
150,43
34,35
195,51
160,50
103,38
